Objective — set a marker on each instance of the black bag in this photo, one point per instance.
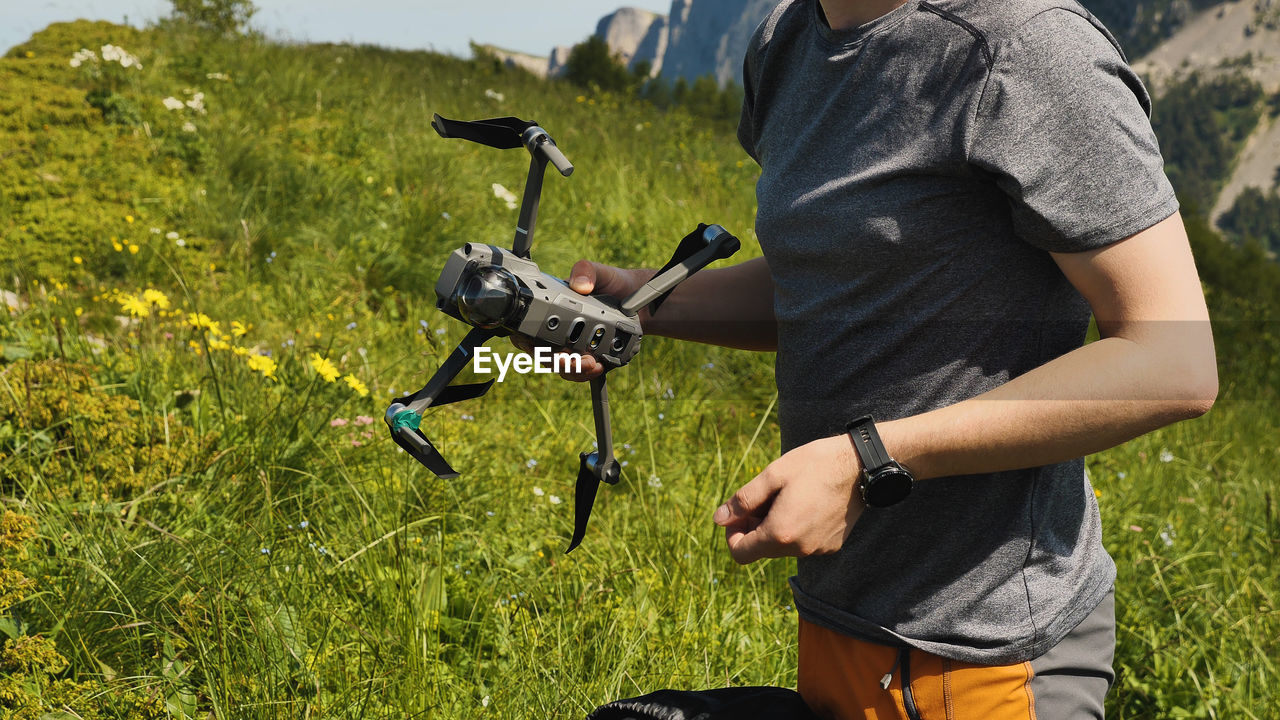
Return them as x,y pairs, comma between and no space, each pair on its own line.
737,703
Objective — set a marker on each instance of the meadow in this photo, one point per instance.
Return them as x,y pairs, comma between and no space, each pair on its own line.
218,260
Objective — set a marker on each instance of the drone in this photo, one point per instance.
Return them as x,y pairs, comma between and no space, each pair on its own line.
500,291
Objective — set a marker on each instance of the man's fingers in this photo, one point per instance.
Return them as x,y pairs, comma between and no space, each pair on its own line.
523,343
749,545
582,278
751,500
588,277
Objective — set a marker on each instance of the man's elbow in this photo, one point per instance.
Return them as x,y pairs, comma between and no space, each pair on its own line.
1197,390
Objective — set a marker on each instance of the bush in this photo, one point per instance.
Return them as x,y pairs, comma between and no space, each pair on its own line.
225,17
592,65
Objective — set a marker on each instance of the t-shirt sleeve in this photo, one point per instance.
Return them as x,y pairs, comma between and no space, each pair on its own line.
1063,126
746,122
746,133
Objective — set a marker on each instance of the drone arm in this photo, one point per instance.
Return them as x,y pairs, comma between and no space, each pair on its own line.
436,389
542,149
697,250
405,415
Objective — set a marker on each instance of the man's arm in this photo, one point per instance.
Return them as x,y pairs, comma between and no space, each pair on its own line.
1154,365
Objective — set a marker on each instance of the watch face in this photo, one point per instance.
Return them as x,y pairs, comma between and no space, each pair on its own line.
887,486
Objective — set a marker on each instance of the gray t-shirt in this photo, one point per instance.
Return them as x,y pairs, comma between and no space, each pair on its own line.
916,171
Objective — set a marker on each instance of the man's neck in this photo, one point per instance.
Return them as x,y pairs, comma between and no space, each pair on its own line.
845,14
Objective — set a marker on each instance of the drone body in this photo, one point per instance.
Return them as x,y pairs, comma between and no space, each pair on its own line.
499,292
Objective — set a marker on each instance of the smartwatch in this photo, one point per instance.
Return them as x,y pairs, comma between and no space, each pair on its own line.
884,482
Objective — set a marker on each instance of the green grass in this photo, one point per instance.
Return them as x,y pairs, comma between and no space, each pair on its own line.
209,543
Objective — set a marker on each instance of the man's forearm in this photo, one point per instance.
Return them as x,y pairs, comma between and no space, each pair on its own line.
731,306
1088,400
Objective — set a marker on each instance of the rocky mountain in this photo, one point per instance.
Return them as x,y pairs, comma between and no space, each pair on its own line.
710,37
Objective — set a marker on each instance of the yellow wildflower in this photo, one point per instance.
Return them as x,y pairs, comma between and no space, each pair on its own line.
201,321
240,351
324,367
238,328
216,344
355,384
157,298
134,306
115,244
133,249
264,365
77,260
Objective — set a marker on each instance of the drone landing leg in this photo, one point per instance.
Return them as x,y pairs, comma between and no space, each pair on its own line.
595,467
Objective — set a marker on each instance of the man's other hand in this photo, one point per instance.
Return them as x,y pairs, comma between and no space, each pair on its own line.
803,503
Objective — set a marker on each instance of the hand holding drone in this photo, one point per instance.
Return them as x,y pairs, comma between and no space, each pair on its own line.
499,292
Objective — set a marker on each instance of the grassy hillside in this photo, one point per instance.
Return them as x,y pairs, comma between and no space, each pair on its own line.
211,302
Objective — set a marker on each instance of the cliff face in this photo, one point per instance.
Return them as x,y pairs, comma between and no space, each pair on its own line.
710,36
626,30
698,37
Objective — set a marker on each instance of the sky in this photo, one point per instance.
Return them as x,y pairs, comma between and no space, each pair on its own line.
440,25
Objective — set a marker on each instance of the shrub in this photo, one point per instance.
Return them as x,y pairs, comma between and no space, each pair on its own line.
225,17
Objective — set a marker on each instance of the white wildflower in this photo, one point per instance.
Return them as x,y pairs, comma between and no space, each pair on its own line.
197,102
494,95
217,76
538,491
188,127
1166,456
554,499
171,235
655,481
172,103
505,195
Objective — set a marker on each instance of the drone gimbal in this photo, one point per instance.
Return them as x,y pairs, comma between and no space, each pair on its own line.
499,292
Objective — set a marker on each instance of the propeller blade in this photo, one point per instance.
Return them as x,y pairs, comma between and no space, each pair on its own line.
584,498
503,133
689,245
420,448
458,393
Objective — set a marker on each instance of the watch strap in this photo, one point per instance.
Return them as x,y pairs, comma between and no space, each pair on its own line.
867,443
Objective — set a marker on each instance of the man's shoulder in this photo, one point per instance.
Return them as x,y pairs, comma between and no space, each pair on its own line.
786,16
996,23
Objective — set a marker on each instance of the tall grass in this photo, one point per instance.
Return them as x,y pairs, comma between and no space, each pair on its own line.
280,564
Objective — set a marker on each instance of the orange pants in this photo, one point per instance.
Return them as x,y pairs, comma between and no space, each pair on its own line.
843,678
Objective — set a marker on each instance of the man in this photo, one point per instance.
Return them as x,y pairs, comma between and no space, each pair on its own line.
948,188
